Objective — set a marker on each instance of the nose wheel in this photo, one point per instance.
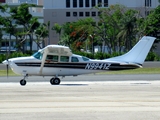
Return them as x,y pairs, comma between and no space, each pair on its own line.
23,82
55,81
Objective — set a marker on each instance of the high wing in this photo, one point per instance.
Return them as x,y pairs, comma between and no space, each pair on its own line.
137,55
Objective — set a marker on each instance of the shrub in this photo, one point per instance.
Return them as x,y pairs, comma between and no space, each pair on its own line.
12,55
152,57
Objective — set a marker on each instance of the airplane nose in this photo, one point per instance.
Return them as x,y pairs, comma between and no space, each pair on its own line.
5,62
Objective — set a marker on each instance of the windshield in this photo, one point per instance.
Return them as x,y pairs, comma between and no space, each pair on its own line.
38,55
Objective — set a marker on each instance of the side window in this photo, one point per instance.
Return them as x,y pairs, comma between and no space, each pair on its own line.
74,59
64,58
52,58
85,58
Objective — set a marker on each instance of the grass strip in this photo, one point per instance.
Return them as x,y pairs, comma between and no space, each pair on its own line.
135,71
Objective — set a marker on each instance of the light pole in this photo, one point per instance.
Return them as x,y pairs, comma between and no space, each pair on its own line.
92,37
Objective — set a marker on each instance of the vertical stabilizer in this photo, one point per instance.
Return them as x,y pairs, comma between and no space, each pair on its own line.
138,53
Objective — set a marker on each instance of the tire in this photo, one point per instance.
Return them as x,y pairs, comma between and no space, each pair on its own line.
23,82
52,81
55,81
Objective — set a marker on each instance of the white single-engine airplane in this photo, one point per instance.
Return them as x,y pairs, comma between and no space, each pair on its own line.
56,60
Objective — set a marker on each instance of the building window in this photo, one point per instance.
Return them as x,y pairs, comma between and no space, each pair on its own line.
74,3
75,14
87,14
80,3
68,14
87,3
105,3
93,3
99,13
148,3
99,3
67,3
93,13
81,14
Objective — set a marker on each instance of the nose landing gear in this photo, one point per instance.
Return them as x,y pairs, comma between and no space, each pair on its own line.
23,81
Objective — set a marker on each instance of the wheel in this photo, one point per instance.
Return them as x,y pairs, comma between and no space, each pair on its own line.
55,81
52,81
23,82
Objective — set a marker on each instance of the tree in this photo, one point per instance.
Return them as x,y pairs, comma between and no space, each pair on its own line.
128,28
23,17
6,22
152,23
117,26
41,32
57,28
75,33
109,26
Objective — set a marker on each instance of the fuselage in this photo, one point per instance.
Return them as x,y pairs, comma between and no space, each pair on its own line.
76,65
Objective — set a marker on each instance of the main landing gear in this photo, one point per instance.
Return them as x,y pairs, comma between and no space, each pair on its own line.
55,81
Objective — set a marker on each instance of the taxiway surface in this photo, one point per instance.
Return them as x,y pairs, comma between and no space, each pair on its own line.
133,97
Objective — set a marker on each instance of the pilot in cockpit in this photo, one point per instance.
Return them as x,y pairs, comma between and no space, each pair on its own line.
51,58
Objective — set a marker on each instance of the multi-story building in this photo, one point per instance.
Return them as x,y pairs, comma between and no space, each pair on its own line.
58,11
62,11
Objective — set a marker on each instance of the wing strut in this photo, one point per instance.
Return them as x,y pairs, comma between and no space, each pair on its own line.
43,61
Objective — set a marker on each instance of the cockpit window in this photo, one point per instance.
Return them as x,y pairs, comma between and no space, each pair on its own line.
38,55
85,58
52,58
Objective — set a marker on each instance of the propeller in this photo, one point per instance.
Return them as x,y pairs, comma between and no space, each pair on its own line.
7,68
7,65
6,62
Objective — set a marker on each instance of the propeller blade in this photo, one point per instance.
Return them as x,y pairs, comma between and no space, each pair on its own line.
7,67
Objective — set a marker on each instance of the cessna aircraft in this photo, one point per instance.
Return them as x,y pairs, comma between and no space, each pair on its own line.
57,60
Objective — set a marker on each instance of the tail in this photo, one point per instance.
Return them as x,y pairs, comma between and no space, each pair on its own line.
138,53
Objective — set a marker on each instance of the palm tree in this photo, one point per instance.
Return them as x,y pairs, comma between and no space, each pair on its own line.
127,32
41,32
23,17
57,28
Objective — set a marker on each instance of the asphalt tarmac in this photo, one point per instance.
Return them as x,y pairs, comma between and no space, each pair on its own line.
86,97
